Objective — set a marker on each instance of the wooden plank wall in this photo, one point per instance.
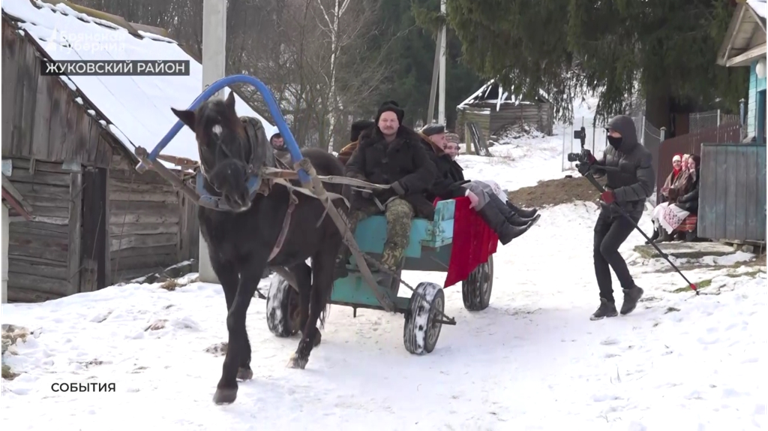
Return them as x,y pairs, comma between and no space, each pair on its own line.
732,194
43,255
538,114
41,118
481,117
149,225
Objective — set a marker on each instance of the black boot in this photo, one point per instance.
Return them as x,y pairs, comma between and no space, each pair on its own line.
654,237
631,296
499,224
512,218
606,309
524,213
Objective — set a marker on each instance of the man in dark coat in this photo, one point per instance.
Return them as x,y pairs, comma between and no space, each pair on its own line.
280,150
629,184
450,184
390,154
358,127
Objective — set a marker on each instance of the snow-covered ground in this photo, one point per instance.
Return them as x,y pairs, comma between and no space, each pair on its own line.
532,361
525,161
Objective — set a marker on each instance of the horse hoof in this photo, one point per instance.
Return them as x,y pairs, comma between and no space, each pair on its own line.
296,362
225,396
244,374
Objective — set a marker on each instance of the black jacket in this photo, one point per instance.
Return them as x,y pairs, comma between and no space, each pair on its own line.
402,163
449,181
635,180
690,200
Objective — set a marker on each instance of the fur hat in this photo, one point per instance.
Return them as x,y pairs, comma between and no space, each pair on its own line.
391,106
358,127
677,158
433,129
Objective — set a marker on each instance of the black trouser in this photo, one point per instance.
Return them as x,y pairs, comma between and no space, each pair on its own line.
610,232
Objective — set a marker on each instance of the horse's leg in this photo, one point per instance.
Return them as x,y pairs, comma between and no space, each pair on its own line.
250,275
323,264
229,279
303,274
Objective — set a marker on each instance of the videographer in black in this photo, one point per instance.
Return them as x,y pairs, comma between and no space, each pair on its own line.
630,181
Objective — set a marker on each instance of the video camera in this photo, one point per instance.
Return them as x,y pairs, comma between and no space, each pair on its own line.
584,156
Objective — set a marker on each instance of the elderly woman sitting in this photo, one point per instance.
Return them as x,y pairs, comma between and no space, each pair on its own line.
451,184
682,201
452,149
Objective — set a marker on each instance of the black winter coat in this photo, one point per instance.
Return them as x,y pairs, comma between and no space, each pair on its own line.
690,200
402,162
449,181
635,179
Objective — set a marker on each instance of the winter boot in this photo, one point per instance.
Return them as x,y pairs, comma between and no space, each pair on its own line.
654,237
631,296
499,224
512,218
524,213
606,309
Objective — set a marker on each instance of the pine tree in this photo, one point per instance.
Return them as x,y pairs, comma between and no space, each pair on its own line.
665,49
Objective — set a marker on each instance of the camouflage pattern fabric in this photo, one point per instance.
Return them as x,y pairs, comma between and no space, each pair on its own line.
399,214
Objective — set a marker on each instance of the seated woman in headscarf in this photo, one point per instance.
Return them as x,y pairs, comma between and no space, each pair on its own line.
450,183
452,149
669,215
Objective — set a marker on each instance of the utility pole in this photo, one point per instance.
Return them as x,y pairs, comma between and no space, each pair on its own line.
441,104
214,68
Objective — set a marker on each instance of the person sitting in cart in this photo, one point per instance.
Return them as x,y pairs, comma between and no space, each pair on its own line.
280,150
358,127
390,154
450,184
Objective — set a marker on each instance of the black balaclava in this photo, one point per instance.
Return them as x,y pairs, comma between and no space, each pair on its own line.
615,142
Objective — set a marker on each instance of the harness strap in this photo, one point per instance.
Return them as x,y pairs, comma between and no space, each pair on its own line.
284,230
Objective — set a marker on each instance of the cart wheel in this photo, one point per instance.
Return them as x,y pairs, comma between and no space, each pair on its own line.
476,289
282,308
422,321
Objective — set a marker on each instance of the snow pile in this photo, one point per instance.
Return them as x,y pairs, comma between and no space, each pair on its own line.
137,106
519,163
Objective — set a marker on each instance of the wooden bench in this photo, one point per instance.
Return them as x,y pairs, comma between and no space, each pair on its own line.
689,224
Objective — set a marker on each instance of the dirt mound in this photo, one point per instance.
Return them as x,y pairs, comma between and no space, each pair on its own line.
556,192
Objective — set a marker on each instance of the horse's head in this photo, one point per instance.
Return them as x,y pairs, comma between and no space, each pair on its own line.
225,151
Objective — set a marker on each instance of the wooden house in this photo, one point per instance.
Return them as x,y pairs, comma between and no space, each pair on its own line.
493,107
744,46
95,220
732,190
68,149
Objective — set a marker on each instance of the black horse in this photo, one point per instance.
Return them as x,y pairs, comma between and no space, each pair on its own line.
241,241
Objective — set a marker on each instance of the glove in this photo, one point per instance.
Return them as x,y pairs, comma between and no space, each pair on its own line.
608,197
397,188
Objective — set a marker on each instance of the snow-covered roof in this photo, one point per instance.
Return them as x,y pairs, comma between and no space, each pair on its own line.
759,6
137,108
492,92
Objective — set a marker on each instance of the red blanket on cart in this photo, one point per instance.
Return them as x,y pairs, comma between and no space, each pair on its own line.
473,242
